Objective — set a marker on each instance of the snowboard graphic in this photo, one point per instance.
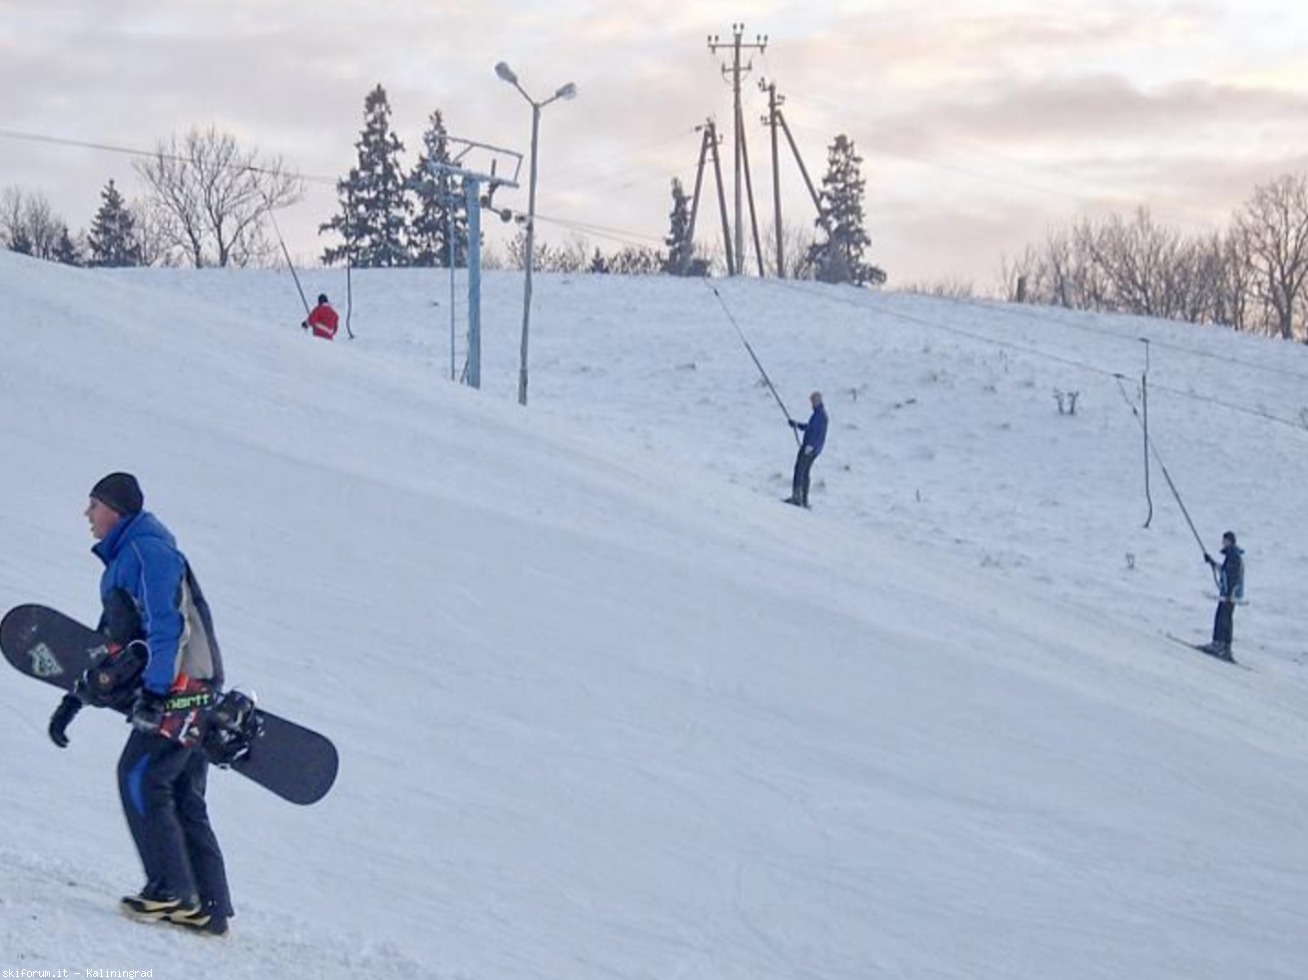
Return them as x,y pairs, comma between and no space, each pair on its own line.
292,761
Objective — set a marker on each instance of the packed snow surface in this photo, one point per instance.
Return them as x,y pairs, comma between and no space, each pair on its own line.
606,708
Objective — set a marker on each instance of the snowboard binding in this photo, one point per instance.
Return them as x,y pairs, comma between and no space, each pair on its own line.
230,728
113,679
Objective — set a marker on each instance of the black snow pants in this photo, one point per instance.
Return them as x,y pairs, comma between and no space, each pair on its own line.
162,787
799,482
1223,622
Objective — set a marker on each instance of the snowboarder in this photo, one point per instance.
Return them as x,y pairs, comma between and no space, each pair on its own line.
155,614
815,436
324,320
1230,590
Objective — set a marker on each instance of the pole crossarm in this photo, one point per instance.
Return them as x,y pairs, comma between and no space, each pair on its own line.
493,174
736,70
463,153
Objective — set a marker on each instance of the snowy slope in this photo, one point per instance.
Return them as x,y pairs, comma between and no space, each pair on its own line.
606,708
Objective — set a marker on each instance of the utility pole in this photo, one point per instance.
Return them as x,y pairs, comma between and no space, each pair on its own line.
776,119
773,121
708,149
753,217
736,70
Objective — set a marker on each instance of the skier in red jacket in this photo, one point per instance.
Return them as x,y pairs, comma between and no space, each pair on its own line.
323,320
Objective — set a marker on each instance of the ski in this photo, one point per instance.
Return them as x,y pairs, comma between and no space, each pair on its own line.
1205,649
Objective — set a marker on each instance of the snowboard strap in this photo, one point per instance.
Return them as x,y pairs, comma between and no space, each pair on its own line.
230,728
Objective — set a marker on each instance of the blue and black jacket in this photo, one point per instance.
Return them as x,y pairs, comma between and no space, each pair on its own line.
815,429
1230,577
143,562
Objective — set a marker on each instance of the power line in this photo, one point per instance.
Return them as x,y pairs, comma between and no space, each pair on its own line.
592,166
620,235
601,231
1032,313
10,134
1297,424
1079,191
637,239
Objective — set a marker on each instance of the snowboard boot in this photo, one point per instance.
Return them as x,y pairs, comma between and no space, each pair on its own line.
199,920
151,906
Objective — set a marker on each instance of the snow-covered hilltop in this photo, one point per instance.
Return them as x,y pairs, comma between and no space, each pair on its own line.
605,707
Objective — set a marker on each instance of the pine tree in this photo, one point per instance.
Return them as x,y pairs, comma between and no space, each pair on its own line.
680,247
598,263
113,239
375,209
840,257
441,203
516,252
66,250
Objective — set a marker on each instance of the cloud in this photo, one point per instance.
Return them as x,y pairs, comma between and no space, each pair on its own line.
973,121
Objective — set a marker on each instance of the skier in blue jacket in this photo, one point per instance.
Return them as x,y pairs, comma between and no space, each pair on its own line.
154,611
815,437
1230,590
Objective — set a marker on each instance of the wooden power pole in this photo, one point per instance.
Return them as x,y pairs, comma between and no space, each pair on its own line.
776,120
736,70
708,150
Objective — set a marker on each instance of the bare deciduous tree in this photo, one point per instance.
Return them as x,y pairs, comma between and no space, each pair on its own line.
1273,225
636,260
29,225
1137,262
571,256
1233,281
1134,265
797,242
949,288
152,222
211,198
1253,276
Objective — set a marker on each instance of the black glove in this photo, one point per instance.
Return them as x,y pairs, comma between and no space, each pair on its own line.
793,424
1209,559
147,711
112,681
304,324
62,717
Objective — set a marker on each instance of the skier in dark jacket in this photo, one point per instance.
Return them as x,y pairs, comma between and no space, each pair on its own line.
815,437
1230,590
154,611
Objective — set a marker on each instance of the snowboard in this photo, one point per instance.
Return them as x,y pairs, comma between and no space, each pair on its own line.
294,762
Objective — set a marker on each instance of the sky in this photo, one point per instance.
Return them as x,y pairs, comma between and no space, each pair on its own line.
981,125
606,708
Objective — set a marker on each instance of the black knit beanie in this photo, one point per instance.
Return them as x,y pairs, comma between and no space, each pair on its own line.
121,492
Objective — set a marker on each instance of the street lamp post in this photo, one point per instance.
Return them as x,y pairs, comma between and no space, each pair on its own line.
564,92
